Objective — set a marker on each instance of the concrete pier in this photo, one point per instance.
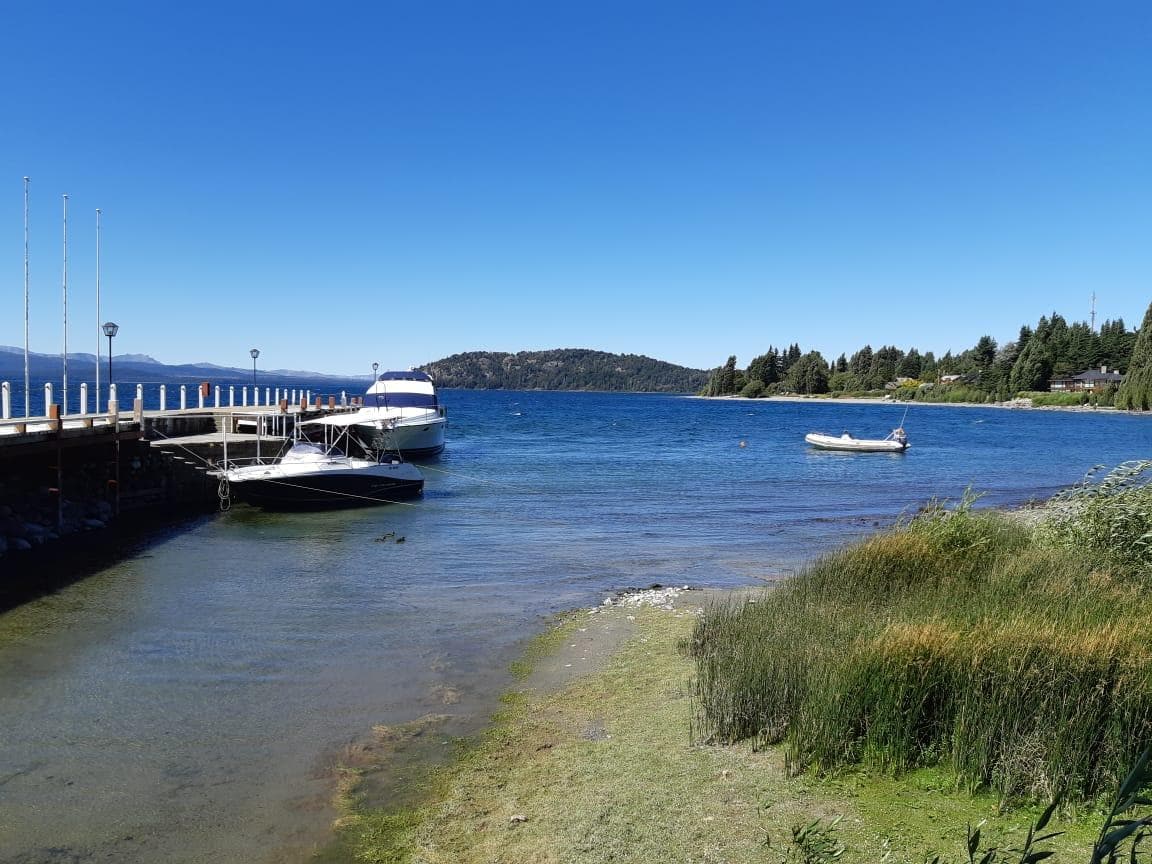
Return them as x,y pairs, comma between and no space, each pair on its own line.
77,483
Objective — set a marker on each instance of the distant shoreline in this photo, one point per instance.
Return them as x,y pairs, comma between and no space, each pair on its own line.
863,400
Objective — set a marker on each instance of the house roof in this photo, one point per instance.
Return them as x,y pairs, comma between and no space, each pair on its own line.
1093,376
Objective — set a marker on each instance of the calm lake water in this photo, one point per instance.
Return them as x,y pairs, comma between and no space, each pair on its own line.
187,704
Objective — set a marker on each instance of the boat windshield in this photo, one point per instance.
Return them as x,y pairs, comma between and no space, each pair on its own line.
305,452
401,400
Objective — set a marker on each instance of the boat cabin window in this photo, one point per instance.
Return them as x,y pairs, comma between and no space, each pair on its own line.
400,400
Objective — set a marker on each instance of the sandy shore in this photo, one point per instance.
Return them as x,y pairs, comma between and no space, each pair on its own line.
1014,405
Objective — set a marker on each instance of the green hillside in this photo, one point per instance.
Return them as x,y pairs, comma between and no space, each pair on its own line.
564,369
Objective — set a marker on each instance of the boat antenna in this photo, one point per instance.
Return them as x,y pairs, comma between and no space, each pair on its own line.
376,390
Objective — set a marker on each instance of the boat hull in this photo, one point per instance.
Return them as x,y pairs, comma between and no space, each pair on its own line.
328,489
412,439
848,444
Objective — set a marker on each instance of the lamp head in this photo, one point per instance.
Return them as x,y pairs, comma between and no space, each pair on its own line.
110,329
254,353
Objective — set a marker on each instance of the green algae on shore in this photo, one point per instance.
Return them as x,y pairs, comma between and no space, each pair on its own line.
602,768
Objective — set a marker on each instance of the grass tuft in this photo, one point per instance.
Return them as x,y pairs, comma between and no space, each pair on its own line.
962,638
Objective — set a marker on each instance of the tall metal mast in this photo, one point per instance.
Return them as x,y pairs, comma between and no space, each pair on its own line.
27,381
99,332
1093,311
64,389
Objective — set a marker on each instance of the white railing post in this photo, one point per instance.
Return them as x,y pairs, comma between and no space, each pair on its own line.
163,397
216,393
267,396
200,398
183,397
113,402
343,398
83,397
140,392
308,397
47,397
6,401
231,397
244,396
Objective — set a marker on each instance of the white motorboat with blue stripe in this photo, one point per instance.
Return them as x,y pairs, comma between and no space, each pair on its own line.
401,414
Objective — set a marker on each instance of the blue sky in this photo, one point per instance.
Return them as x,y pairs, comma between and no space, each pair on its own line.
342,183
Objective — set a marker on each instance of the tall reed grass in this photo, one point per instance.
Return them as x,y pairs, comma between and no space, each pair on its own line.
1109,514
963,637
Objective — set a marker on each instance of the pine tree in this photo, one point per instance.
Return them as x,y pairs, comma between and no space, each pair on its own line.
1032,369
1136,392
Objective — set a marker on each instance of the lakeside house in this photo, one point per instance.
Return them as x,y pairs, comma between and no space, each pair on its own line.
1091,380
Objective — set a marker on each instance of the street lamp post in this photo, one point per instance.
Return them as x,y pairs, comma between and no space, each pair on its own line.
110,330
375,366
254,353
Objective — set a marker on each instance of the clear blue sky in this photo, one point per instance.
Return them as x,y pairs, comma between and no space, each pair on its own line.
341,183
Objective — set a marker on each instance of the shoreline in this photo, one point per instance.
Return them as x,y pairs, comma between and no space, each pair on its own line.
592,759
864,400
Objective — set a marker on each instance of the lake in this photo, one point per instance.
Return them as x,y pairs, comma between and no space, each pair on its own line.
187,704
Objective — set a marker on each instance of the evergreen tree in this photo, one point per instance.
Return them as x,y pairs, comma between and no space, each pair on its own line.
911,366
728,377
1116,343
1135,393
861,362
1083,348
929,371
788,358
809,374
984,354
998,379
883,368
765,368
722,381
1032,369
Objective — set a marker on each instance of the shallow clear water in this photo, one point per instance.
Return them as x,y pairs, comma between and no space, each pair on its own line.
185,704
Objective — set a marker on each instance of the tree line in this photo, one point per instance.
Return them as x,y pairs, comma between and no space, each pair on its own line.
985,372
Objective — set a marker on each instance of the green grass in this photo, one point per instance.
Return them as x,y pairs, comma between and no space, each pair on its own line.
953,393
962,639
1059,400
604,771
1109,516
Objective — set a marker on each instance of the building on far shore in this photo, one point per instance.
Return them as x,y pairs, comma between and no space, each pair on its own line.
1091,380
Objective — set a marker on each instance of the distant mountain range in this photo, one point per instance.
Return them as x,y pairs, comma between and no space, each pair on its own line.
564,369
559,369
142,369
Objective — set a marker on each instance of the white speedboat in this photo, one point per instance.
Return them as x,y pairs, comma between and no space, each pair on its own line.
313,476
401,414
895,442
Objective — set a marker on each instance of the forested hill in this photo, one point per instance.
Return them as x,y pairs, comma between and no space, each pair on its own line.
564,369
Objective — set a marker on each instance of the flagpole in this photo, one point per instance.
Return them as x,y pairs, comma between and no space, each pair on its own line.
27,381
64,393
99,332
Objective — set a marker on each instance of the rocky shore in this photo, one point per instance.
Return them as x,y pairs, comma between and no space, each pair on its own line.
33,522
